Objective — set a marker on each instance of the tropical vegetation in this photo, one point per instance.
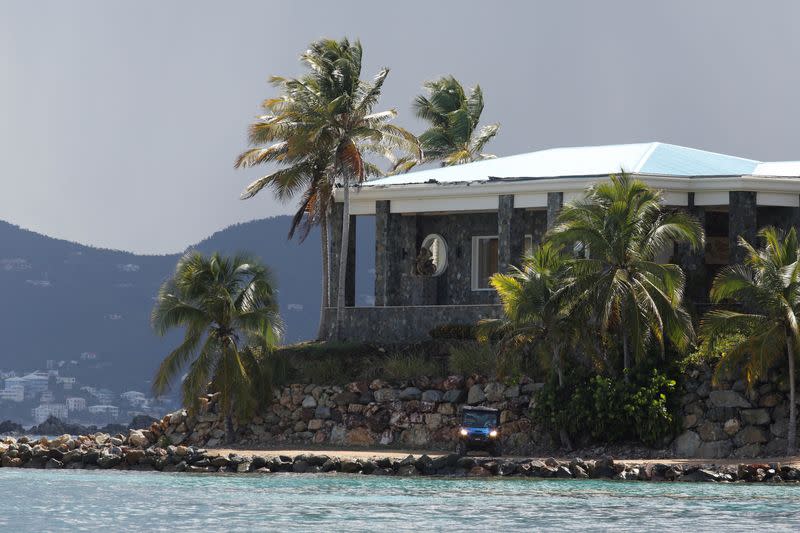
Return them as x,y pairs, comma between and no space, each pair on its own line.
765,326
453,116
621,227
228,310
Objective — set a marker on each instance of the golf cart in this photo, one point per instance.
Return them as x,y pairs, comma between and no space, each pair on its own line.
479,430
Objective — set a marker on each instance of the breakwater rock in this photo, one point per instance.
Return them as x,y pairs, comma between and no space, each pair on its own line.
136,451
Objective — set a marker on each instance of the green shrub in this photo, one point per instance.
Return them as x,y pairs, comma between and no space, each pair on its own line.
609,410
328,369
402,366
472,358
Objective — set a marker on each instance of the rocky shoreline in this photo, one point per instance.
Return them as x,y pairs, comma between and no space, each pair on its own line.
139,450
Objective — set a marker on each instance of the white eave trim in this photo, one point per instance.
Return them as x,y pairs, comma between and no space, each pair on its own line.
532,193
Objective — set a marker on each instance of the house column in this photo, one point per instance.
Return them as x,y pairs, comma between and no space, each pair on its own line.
510,233
405,284
383,258
337,212
555,200
742,221
693,262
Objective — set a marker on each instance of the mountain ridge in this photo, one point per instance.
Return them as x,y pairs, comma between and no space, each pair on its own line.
60,299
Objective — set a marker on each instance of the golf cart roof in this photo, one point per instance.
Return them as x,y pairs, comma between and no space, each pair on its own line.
479,408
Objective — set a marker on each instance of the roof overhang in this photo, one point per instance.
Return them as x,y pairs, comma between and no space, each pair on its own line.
532,193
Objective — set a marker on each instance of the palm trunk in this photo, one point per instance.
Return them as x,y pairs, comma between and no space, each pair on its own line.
791,436
559,370
323,239
626,357
343,258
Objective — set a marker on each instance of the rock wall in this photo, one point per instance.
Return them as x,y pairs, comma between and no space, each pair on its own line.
730,420
723,421
420,414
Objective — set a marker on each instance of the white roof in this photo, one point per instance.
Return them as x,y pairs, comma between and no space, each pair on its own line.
653,158
778,168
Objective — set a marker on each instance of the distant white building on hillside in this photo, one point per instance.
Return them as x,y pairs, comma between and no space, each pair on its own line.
12,395
105,410
133,397
76,404
46,410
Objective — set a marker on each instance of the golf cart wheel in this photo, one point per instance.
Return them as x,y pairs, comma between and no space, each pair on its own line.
461,449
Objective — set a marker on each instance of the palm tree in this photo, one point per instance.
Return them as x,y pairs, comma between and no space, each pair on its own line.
287,135
349,128
767,286
321,128
228,308
533,317
453,136
621,226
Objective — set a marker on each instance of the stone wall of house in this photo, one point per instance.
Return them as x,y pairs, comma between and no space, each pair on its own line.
728,421
732,420
402,324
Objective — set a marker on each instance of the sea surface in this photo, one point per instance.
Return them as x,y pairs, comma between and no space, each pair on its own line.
75,500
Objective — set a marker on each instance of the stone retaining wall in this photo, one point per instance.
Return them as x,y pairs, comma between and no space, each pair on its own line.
723,421
730,420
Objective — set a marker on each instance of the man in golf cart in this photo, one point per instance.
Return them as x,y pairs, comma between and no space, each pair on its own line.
479,430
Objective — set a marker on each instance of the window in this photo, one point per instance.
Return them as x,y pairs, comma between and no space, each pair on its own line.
527,248
484,261
432,257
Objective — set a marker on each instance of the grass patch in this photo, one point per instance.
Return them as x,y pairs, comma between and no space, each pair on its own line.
472,358
411,365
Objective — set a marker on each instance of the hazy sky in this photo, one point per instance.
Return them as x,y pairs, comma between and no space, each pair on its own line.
120,121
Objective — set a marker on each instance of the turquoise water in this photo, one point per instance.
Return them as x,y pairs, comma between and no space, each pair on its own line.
74,500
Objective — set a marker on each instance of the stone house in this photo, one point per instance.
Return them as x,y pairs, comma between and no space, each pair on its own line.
442,232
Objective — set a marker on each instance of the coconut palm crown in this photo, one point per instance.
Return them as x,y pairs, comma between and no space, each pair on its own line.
228,309
534,319
453,136
767,286
321,129
620,228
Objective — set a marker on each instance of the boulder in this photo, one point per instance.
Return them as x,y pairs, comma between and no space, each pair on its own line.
136,438
322,412
410,393
494,391
687,444
453,382
475,395
750,435
359,437
386,395
732,426
453,396
755,417
715,449
771,400
728,398
780,428
432,396
711,431
309,401
345,398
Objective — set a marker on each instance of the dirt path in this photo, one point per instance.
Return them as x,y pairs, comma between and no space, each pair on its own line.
401,454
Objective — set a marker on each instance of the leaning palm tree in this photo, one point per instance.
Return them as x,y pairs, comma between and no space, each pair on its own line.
453,116
286,135
321,128
767,286
620,228
349,129
228,309
533,318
